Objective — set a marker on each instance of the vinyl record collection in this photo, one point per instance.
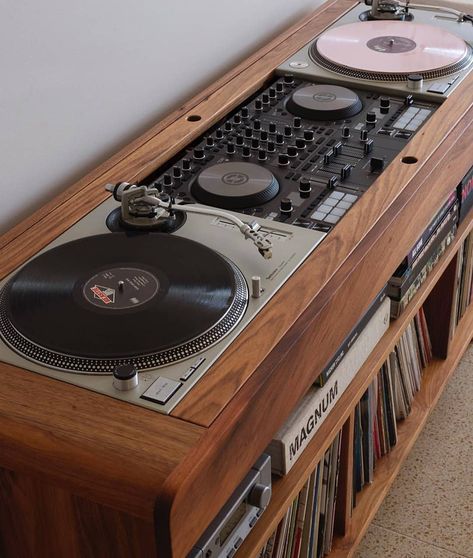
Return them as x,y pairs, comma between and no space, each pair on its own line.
306,530
464,282
388,399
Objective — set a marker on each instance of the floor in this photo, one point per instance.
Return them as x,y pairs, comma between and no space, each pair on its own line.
428,512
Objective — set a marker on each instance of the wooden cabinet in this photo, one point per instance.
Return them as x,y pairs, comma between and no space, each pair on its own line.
84,475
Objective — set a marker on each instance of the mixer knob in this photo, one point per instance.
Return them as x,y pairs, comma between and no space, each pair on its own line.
370,118
300,143
245,112
209,142
248,133
272,93
363,135
292,151
288,80
265,98
283,159
246,151
257,124
255,143
271,147
288,131
264,135
415,82
230,148
237,119
308,135
346,132
177,172
297,122
228,126
186,165
240,140
279,87
262,156
376,164
368,147
279,139
272,128
345,172
167,180
328,157
384,104
199,153
286,206
304,188
332,182
337,148
258,104
219,133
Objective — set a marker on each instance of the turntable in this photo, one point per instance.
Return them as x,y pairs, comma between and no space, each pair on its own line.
392,47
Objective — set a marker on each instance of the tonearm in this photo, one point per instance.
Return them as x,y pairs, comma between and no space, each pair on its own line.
399,9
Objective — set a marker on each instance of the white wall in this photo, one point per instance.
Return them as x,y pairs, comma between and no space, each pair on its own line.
78,80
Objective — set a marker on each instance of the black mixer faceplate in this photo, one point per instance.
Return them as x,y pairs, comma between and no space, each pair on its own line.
150,299
324,102
235,185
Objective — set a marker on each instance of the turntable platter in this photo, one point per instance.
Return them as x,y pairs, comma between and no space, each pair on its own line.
390,50
103,300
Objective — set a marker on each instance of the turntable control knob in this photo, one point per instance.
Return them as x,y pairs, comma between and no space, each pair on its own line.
332,182
283,159
288,131
209,142
292,151
271,147
368,147
199,153
257,124
230,148
376,164
297,122
286,206
363,135
255,143
262,155
308,135
304,188
415,82
272,128
258,104
263,135
125,377
259,496
245,113
345,132
384,104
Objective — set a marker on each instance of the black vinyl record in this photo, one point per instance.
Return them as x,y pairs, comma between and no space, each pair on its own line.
120,297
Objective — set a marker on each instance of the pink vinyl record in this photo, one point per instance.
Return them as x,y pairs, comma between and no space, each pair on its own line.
391,47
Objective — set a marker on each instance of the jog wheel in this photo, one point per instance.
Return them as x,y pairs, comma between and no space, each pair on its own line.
324,102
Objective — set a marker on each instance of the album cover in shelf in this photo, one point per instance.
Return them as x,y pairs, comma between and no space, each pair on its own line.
464,281
388,399
307,528
292,439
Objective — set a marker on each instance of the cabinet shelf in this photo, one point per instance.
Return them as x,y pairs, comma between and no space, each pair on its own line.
286,488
